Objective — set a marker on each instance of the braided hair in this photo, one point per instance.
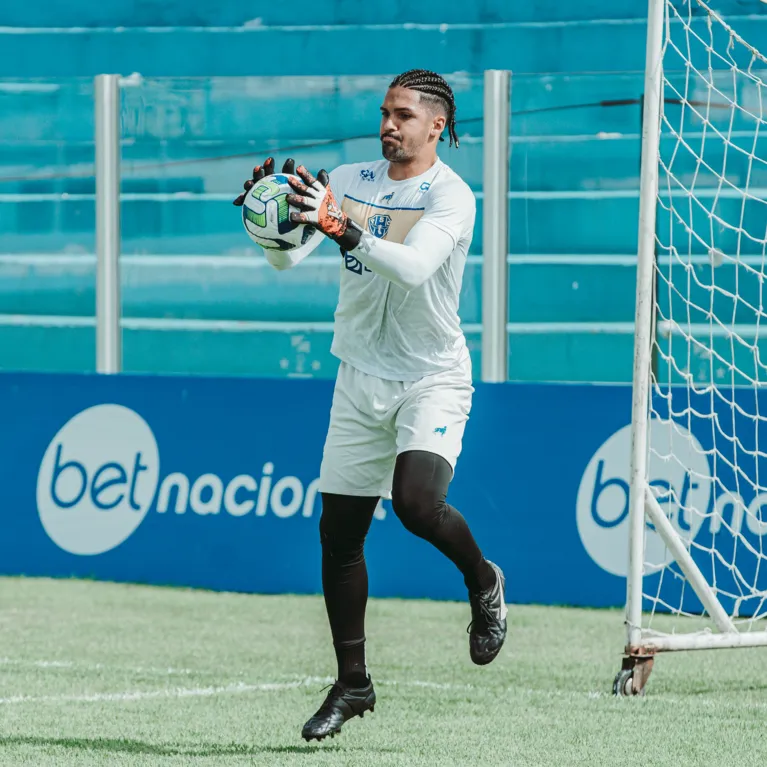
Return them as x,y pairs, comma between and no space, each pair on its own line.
434,89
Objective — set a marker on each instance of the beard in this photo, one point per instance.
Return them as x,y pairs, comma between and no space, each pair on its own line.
395,152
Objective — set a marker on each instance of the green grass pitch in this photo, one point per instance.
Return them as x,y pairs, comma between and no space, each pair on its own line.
106,674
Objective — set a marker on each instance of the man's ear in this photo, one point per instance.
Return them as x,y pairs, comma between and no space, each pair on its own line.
438,126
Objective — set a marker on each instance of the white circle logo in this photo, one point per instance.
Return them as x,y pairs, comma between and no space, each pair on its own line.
97,479
680,477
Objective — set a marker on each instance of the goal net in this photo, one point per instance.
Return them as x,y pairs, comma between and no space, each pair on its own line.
699,552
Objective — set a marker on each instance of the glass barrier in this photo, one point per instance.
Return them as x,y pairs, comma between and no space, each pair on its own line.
198,297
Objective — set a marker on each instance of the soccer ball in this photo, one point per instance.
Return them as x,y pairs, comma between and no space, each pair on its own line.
266,216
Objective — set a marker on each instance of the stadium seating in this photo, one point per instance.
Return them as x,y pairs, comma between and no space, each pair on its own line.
196,297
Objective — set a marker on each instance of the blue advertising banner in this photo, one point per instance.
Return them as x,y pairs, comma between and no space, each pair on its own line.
213,483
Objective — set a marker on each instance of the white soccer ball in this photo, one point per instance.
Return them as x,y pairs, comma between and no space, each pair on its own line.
266,216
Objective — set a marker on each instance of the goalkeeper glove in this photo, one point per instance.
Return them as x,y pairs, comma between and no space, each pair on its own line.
261,171
319,208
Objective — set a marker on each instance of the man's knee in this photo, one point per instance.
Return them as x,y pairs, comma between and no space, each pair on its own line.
344,524
419,506
342,546
419,490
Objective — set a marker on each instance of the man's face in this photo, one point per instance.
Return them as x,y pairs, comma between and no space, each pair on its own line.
407,125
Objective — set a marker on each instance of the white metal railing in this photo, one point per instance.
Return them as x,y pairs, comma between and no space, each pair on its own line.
108,334
495,226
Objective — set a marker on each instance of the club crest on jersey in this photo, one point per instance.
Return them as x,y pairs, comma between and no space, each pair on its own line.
379,224
367,174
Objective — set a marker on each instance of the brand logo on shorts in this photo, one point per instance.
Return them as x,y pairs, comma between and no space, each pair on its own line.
97,479
441,430
680,477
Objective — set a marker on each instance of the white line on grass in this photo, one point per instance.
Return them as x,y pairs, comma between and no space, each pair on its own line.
94,666
171,692
241,687
66,664
199,692
309,681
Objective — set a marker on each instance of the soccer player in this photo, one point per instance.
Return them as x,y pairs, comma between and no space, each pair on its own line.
404,386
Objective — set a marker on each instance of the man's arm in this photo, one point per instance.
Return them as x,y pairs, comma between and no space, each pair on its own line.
287,259
428,245
410,264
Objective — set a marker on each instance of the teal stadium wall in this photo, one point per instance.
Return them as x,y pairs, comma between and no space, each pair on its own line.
222,86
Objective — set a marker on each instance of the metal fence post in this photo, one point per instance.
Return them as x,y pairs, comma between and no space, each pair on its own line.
495,225
107,140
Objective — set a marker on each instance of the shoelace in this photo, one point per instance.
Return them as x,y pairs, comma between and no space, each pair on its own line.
483,602
328,702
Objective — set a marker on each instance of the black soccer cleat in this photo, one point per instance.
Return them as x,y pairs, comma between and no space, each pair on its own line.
487,630
341,704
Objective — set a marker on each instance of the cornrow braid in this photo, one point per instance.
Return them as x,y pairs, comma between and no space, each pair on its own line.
435,87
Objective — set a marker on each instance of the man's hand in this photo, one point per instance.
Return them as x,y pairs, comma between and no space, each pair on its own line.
319,208
261,171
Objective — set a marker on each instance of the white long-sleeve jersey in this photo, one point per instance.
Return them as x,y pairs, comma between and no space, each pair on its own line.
397,314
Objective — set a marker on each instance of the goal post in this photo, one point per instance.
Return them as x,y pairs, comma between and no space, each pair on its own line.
697,559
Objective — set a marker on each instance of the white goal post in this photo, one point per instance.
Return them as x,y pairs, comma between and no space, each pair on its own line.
697,574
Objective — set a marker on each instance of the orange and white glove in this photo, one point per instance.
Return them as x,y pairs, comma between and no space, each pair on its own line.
319,208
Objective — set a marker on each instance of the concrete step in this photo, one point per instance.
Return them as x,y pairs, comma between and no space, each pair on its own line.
562,354
248,289
541,289
600,353
568,46
542,223
578,164
182,113
161,13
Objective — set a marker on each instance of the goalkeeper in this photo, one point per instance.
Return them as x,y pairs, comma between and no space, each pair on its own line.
404,387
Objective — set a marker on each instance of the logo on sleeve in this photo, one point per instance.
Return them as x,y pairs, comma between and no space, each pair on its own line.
353,264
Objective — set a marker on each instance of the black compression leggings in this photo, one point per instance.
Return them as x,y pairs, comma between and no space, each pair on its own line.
419,490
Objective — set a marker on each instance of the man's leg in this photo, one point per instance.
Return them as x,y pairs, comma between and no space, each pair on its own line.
421,479
356,471
419,497
344,524
430,426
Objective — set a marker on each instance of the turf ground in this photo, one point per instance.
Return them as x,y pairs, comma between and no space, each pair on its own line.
96,673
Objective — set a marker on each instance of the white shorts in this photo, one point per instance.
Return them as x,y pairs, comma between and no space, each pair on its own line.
373,420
